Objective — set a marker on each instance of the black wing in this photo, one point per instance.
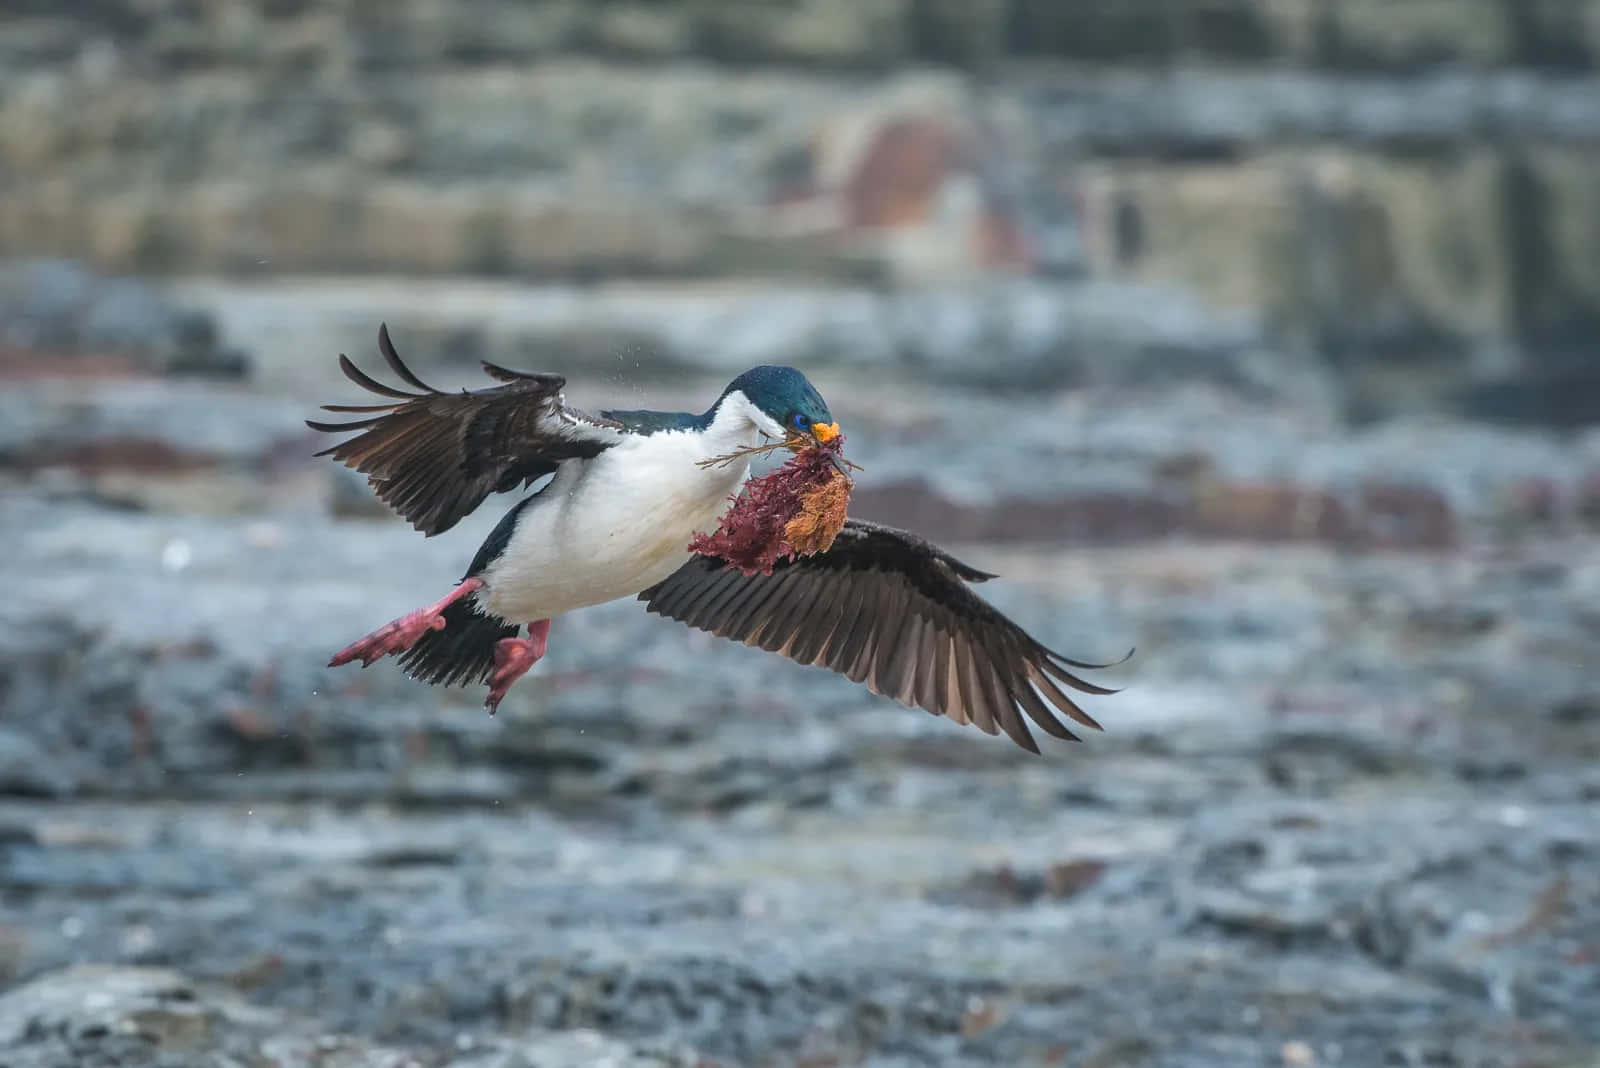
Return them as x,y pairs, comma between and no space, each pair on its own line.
888,609
433,456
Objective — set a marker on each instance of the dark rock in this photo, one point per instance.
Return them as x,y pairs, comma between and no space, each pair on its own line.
1578,709
26,771
1559,395
1588,500
1399,515
65,308
98,427
1005,886
135,1017
1454,621
1313,761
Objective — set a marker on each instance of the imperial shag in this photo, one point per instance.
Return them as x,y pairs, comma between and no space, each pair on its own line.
627,492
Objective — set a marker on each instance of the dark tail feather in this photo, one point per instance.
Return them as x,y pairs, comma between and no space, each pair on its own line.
463,652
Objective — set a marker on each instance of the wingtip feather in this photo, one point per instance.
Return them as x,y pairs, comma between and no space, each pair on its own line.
387,350
368,383
1089,665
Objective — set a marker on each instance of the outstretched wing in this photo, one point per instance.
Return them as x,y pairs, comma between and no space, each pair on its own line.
433,456
888,609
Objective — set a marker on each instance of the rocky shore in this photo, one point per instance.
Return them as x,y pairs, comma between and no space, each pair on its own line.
1343,812
1255,335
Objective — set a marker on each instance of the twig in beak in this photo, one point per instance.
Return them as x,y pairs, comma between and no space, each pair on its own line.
794,443
728,458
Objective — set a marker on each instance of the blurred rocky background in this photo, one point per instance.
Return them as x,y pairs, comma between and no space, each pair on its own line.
1258,334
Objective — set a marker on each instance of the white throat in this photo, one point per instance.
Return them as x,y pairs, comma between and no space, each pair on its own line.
738,424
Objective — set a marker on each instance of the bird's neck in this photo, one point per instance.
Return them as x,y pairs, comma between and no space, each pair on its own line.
730,426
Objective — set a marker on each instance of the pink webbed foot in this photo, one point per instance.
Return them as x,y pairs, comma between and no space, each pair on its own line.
512,659
401,634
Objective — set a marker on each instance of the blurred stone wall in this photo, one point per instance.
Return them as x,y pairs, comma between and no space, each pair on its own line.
1368,176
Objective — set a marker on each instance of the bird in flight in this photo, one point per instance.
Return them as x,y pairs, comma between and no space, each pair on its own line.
627,491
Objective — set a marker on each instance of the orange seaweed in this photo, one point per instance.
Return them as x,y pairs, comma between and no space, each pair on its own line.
796,510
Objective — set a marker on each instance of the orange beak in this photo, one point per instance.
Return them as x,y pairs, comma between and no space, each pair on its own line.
824,432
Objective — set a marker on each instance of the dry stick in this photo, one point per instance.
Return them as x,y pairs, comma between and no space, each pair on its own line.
761,450
754,450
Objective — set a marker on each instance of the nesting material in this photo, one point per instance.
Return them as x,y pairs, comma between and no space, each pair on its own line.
796,510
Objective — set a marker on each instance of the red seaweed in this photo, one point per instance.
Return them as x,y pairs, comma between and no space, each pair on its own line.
793,511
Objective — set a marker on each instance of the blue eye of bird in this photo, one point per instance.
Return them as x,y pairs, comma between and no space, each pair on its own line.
800,422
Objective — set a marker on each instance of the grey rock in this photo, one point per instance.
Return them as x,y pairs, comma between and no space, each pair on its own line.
66,308
1192,176
1001,335
1342,804
26,770
157,1018
97,1015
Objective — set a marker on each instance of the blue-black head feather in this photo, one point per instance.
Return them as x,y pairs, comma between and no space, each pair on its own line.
784,394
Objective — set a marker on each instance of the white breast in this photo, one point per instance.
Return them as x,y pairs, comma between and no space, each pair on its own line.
614,525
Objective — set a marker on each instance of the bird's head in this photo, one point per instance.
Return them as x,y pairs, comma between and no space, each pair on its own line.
783,404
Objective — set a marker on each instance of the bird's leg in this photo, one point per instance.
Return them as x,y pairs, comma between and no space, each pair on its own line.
512,659
401,634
